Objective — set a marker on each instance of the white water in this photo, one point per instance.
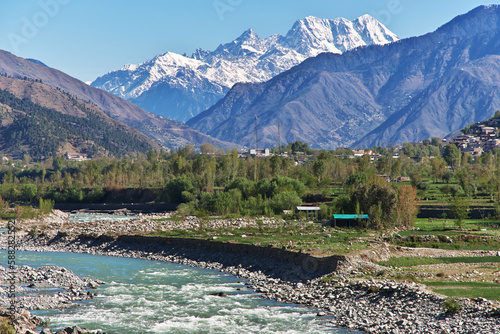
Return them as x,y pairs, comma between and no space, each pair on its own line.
154,297
92,217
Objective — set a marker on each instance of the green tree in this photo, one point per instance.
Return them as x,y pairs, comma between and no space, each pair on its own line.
275,165
28,192
319,169
287,200
152,156
459,209
407,206
176,186
452,155
364,163
59,163
356,179
208,148
396,168
468,180
438,168
45,206
378,200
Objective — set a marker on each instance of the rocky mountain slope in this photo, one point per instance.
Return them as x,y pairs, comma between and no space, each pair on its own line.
168,133
44,122
180,87
405,91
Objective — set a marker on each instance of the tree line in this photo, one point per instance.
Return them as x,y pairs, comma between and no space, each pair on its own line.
223,183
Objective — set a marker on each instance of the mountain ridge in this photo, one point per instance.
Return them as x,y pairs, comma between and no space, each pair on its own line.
180,87
372,94
44,122
170,134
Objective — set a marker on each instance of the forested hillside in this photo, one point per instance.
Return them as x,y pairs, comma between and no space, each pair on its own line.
40,131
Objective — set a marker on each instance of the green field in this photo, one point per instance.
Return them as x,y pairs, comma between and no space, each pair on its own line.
489,291
409,261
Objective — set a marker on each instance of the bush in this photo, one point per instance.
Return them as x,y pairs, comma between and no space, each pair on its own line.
6,326
452,305
28,192
187,196
175,188
287,200
46,206
33,232
96,195
423,186
186,209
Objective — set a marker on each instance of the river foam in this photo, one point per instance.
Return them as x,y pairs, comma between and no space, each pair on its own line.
143,296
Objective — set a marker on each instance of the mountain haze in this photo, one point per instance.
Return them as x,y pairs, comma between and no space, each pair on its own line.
168,133
180,87
405,91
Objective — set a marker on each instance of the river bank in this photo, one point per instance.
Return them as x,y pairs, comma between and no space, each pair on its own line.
371,305
42,288
384,306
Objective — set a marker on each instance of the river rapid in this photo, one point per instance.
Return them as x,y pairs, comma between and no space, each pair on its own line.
142,296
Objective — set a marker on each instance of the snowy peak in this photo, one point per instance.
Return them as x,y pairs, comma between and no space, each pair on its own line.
372,31
313,35
248,43
180,87
249,37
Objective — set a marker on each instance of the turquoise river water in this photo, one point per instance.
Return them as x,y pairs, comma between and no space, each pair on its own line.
142,296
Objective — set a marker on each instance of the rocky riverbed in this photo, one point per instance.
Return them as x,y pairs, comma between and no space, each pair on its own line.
374,306
142,223
383,306
46,287
41,289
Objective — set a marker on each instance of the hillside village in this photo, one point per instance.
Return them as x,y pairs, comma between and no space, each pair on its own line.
481,137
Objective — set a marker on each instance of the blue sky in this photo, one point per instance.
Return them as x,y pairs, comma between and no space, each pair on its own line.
87,38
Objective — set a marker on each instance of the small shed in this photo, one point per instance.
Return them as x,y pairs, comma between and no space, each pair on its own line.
313,211
349,220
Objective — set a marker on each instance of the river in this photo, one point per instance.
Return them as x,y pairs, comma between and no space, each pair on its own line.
142,296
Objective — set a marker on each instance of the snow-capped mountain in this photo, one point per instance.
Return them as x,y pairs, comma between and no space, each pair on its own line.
418,88
180,87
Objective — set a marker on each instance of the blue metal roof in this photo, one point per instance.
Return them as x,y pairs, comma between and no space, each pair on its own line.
342,216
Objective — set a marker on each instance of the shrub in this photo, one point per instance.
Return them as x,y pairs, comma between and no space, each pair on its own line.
45,206
176,186
186,209
285,201
96,195
452,305
443,238
6,326
33,232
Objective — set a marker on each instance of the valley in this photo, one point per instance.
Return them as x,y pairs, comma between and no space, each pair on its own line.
331,177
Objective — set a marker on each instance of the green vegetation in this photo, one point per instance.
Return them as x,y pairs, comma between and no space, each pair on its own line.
292,236
6,326
224,184
217,185
452,305
40,132
45,206
467,289
410,261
